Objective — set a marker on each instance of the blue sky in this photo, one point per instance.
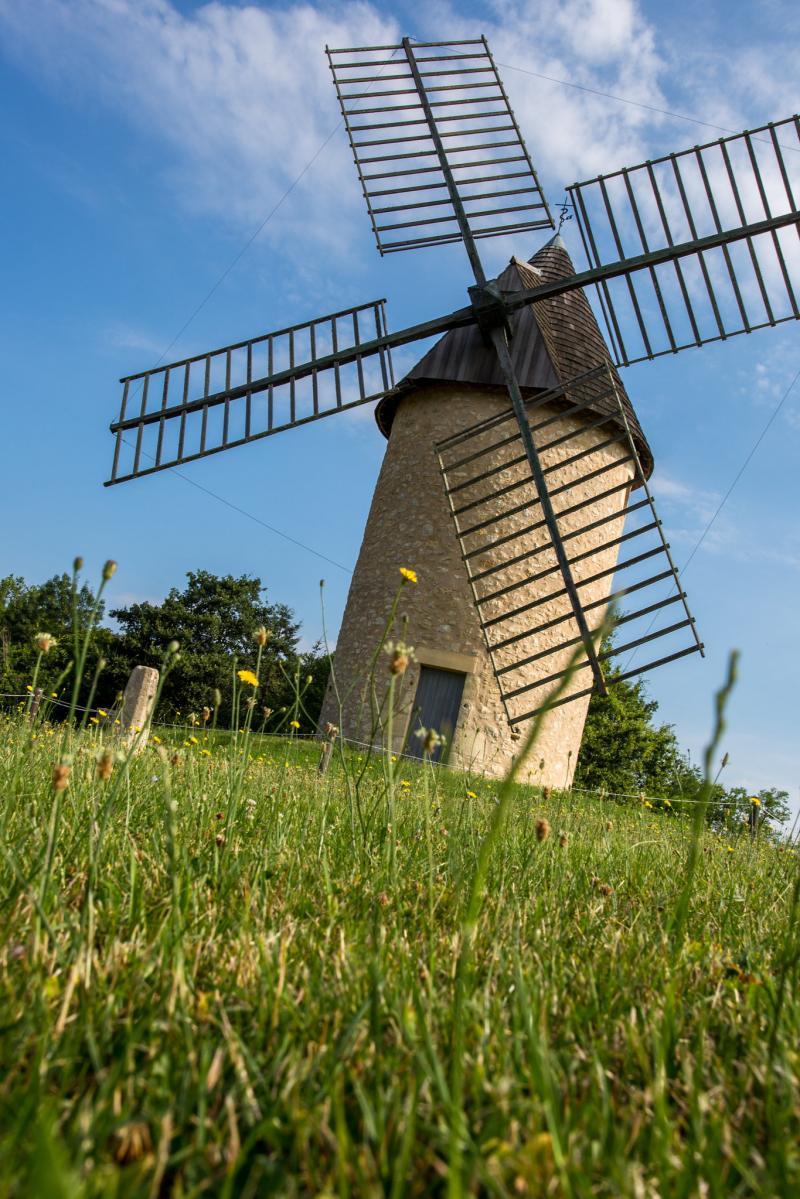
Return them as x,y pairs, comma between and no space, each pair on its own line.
144,141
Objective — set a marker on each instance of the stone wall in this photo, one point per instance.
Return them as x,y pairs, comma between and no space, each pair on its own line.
410,524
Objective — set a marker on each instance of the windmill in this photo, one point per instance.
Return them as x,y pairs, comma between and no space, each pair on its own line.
516,475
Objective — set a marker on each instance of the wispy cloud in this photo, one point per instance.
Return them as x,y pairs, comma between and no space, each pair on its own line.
242,97
734,535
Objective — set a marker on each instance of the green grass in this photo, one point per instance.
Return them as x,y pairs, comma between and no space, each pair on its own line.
229,976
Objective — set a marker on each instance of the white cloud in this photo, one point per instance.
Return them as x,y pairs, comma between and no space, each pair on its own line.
243,99
241,95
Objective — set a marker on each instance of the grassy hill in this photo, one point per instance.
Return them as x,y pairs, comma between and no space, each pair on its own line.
221,974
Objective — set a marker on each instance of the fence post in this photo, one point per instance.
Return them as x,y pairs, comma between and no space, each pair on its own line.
329,739
137,705
36,701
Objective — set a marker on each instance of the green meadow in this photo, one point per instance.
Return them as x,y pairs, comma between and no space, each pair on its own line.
224,974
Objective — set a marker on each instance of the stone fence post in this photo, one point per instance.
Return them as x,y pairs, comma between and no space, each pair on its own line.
137,705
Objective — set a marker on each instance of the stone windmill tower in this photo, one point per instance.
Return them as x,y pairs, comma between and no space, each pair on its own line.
515,480
452,684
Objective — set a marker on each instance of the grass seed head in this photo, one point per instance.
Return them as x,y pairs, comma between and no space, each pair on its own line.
131,1142
400,656
61,773
542,830
105,765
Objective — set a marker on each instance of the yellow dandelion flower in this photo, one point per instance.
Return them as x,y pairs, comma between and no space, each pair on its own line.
53,695
102,712
193,741
409,575
93,720
206,752
247,676
29,688
404,783
294,724
730,849
471,795
156,739
755,801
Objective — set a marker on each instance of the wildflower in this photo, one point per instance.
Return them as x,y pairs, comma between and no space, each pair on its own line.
172,649
156,739
471,795
206,714
409,575
400,655
647,803
93,720
61,774
730,849
53,695
294,724
404,783
430,739
261,636
28,687
105,765
755,801
542,830
247,676
102,712
109,570
547,792
667,804
44,642
206,752
220,839
193,741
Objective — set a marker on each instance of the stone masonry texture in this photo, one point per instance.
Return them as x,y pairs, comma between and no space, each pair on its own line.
410,524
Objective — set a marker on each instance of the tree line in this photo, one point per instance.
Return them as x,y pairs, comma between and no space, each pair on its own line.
626,752
213,617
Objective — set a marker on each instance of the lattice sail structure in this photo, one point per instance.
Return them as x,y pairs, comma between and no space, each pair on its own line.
243,392
750,181
689,248
419,112
607,522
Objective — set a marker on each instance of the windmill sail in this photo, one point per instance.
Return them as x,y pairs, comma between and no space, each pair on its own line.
607,522
435,143
731,206
244,392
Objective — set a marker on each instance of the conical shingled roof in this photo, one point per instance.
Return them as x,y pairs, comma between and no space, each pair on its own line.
554,341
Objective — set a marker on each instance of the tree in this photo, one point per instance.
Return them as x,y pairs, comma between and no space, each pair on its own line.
624,751
28,609
214,620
